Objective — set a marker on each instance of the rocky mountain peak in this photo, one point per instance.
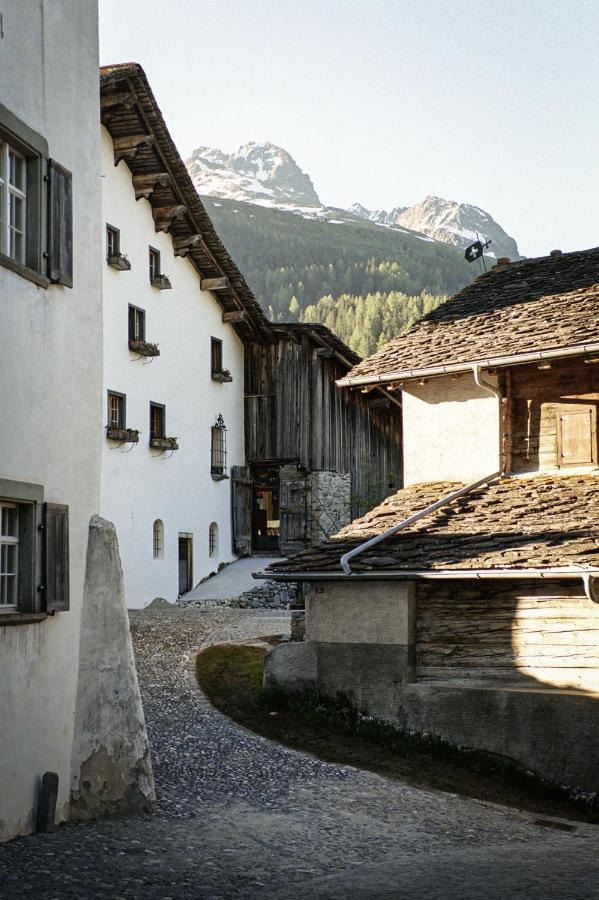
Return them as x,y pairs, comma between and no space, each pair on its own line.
255,173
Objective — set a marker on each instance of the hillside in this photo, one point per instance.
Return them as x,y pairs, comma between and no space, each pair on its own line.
292,262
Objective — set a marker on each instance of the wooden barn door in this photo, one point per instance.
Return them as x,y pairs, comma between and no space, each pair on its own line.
242,510
292,510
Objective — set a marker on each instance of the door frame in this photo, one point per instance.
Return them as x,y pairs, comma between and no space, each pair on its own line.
188,537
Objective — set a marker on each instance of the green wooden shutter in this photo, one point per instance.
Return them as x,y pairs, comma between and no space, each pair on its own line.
56,557
60,224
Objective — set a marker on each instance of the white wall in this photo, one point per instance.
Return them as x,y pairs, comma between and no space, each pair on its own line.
141,485
50,403
450,430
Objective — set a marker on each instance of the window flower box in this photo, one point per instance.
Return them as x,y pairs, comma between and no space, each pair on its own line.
119,261
144,348
123,435
164,443
162,282
224,376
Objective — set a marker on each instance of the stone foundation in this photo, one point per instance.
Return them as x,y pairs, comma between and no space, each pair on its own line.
266,595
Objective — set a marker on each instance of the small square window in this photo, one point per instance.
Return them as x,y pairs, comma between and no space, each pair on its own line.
216,356
113,241
154,260
116,410
137,324
157,421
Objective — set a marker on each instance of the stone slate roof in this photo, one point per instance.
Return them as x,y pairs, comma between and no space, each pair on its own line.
519,523
526,306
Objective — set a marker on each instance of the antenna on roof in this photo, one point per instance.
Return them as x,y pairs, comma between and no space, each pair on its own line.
476,251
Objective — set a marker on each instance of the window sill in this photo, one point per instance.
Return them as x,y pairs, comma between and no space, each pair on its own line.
119,262
122,435
144,348
222,376
24,271
162,282
21,618
219,477
164,443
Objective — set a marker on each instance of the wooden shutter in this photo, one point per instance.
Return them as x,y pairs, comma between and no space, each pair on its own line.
56,557
60,224
242,510
576,435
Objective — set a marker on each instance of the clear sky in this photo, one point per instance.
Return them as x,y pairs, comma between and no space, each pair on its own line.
385,101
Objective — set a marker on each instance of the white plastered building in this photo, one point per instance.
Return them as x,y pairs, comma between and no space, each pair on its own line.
171,502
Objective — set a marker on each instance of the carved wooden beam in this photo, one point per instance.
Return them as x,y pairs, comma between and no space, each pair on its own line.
183,245
214,284
127,147
239,315
124,98
164,216
145,185
325,352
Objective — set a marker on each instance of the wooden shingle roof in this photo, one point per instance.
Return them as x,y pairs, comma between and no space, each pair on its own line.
131,114
513,523
532,305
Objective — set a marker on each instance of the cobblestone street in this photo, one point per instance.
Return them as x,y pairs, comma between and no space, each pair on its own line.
240,817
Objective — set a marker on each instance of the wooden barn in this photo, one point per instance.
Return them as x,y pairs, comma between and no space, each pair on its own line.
316,456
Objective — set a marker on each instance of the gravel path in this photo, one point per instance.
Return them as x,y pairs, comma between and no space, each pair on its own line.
240,817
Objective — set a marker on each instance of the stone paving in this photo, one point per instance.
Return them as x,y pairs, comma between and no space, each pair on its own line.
240,817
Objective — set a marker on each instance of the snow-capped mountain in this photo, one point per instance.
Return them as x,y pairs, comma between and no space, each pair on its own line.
256,173
267,175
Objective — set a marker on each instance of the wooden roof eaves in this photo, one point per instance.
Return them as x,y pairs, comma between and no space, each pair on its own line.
171,162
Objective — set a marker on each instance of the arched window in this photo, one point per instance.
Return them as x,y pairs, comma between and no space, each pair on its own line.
158,539
218,447
213,539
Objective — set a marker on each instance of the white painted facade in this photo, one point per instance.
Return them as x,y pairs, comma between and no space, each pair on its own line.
450,430
141,485
50,403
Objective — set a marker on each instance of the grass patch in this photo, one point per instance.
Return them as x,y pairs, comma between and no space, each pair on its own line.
231,677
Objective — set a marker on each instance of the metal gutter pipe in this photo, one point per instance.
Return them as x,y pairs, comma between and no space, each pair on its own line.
456,368
496,392
588,576
372,542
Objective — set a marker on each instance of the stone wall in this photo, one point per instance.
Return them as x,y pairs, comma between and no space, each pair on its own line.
329,504
363,639
266,595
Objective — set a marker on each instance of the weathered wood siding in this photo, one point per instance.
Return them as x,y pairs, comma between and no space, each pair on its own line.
294,411
533,395
523,633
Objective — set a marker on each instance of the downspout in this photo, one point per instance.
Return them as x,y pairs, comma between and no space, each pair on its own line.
444,501
496,391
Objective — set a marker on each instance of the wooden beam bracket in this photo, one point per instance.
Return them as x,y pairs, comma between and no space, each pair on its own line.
145,185
183,245
126,147
214,284
236,317
164,216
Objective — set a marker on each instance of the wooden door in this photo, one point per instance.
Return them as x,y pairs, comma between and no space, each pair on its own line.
241,486
185,563
576,434
292,510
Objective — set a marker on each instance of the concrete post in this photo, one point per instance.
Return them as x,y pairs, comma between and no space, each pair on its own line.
111,770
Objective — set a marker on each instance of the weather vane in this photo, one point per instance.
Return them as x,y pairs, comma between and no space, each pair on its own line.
476,251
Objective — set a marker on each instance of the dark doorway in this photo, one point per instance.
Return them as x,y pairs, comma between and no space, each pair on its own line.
185,563
265,518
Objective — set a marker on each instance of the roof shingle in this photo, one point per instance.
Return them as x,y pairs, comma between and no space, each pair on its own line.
531,305
514,523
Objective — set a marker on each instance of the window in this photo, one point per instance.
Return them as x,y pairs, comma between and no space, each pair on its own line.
216,356
157,421
116,410
36,206
113,241
576,434
13,198
158,539
213,540
34,552
137,324
154,264
9,548
218,455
